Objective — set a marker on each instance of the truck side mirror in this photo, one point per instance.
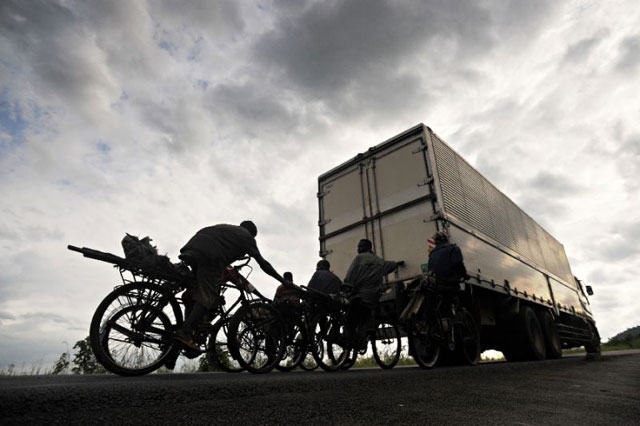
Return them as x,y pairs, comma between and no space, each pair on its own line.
589,290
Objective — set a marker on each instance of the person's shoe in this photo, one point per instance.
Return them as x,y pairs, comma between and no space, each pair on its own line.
186,339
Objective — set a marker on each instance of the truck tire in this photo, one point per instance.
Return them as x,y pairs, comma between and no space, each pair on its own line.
526,338
551,337
594,346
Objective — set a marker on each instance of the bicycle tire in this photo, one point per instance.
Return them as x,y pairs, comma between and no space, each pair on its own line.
295,350
131,298
328,353
257,330
424,349
467,338
218,351
350,361
389,335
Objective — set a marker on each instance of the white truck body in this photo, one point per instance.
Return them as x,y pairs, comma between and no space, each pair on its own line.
400,192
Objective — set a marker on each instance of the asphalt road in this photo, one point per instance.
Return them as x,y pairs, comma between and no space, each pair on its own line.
561,392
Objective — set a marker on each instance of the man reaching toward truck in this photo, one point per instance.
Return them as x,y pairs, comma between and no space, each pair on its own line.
364,278
208,252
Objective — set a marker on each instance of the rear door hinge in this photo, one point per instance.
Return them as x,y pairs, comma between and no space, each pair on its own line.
425,181
419,150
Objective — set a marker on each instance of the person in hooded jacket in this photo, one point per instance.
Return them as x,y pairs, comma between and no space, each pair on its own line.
364,278
446,262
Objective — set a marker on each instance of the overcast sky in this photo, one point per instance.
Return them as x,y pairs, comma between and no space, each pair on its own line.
158,118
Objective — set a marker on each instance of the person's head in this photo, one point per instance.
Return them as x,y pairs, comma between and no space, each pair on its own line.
288,276
251,227
364,246
323,265
440,238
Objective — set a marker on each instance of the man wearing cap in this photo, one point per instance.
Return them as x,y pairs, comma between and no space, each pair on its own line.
446,262
208,252
364,277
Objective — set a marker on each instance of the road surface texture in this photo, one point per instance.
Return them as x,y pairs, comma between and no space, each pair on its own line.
560,392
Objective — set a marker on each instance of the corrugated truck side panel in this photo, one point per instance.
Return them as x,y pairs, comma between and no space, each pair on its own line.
497,238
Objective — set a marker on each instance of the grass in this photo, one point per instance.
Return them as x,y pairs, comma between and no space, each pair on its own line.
612,345
23,370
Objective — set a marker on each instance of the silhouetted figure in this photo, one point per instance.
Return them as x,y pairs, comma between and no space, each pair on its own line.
323,280
287,293
446,262
447,265
208,252
364,277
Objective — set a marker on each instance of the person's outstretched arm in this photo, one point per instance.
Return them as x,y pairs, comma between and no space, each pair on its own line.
268,269
390,266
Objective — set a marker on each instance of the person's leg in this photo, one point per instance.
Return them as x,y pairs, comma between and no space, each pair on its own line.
205,297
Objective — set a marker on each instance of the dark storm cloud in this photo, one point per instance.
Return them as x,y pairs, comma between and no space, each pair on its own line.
251,106
629,50
331,43
630,230
6,316
619,248
360,56
45,39
209,17
546,198
620,244
580,50
554,184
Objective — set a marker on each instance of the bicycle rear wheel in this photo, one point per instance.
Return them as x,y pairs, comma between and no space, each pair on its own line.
218,351
256,337
328,347
352,357
468,340
131,331
424,347
386,345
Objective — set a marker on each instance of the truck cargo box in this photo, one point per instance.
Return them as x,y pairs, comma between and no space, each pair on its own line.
401,191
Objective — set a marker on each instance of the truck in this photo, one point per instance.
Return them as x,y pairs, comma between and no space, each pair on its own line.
521,291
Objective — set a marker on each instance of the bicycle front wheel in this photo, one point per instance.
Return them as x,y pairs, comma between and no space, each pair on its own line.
386,345
295,347
256,337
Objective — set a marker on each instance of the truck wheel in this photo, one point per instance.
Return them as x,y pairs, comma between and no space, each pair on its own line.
551,338
594,346
526,341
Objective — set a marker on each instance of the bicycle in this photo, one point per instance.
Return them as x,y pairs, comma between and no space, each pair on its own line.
429,331
382,331
131,332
